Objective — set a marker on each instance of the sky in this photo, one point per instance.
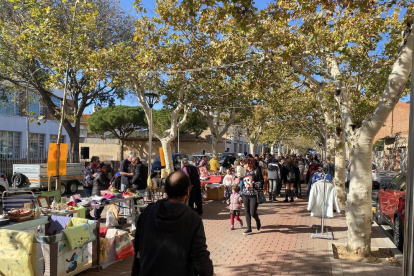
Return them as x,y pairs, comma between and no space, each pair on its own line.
128,6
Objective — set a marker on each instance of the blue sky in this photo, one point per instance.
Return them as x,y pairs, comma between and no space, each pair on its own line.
127,6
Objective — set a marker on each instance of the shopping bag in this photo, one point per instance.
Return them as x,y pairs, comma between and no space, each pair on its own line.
123,245
111,220
261,197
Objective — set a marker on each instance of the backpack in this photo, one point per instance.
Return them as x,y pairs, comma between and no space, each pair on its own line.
291,177
273,171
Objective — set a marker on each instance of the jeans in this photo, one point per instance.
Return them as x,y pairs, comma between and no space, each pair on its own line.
241,184
98,212
273,187
123,205
124,187
250,206
88,191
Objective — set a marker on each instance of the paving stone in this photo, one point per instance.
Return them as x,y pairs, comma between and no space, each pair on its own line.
283,246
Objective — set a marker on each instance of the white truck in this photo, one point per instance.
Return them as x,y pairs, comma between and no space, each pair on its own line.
34,177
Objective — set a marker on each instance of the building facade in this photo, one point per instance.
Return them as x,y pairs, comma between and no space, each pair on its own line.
394,133
14,134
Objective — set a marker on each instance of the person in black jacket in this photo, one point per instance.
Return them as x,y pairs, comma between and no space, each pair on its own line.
290,178
100,183
170,237
253,182
139,180
195,196
274,176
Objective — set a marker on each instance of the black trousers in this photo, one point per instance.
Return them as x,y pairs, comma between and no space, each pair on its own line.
250,207
195,197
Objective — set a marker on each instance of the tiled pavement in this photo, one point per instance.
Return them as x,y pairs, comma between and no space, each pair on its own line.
282,247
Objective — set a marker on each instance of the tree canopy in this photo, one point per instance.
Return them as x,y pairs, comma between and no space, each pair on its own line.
119,120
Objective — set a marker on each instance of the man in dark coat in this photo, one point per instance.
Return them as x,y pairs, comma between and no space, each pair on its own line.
126,172
170,237
139,180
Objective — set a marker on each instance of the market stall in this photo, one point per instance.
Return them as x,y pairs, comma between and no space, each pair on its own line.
212,187
55,239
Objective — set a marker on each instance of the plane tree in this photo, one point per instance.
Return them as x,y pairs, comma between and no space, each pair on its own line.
119,120
35,38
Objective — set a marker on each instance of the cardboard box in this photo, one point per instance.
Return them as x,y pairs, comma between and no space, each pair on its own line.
216,193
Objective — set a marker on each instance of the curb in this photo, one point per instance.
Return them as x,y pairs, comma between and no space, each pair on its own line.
389,244
386,243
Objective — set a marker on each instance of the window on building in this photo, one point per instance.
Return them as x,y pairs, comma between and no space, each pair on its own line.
57,102
37,145
36,108
10,104
9,145
53,138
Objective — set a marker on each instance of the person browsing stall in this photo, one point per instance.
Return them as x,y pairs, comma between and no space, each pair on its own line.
170,238
100,183
90,174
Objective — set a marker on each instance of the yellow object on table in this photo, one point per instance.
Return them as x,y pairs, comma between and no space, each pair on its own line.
81,211
76,221
103,242
114,208
15,253
78,235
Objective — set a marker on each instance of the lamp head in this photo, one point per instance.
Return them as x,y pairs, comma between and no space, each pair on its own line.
152,98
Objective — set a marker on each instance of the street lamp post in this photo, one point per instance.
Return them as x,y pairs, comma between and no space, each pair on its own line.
151,98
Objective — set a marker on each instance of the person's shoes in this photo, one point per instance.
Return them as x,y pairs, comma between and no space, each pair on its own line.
247,232
275,200
286,200
259,225
296,197
241,224
292,200
232,227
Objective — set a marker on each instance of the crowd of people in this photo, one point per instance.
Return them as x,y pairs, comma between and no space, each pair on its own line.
177,218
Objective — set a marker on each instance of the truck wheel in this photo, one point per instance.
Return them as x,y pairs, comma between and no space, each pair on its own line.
72,187
62,188
18,180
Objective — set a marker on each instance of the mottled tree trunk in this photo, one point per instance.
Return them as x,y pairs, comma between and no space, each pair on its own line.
166,146
251,148
215,145
340,167
358,207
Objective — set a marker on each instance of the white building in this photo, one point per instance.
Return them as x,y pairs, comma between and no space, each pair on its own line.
13,127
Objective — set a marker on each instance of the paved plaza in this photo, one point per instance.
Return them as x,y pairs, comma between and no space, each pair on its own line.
283,246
